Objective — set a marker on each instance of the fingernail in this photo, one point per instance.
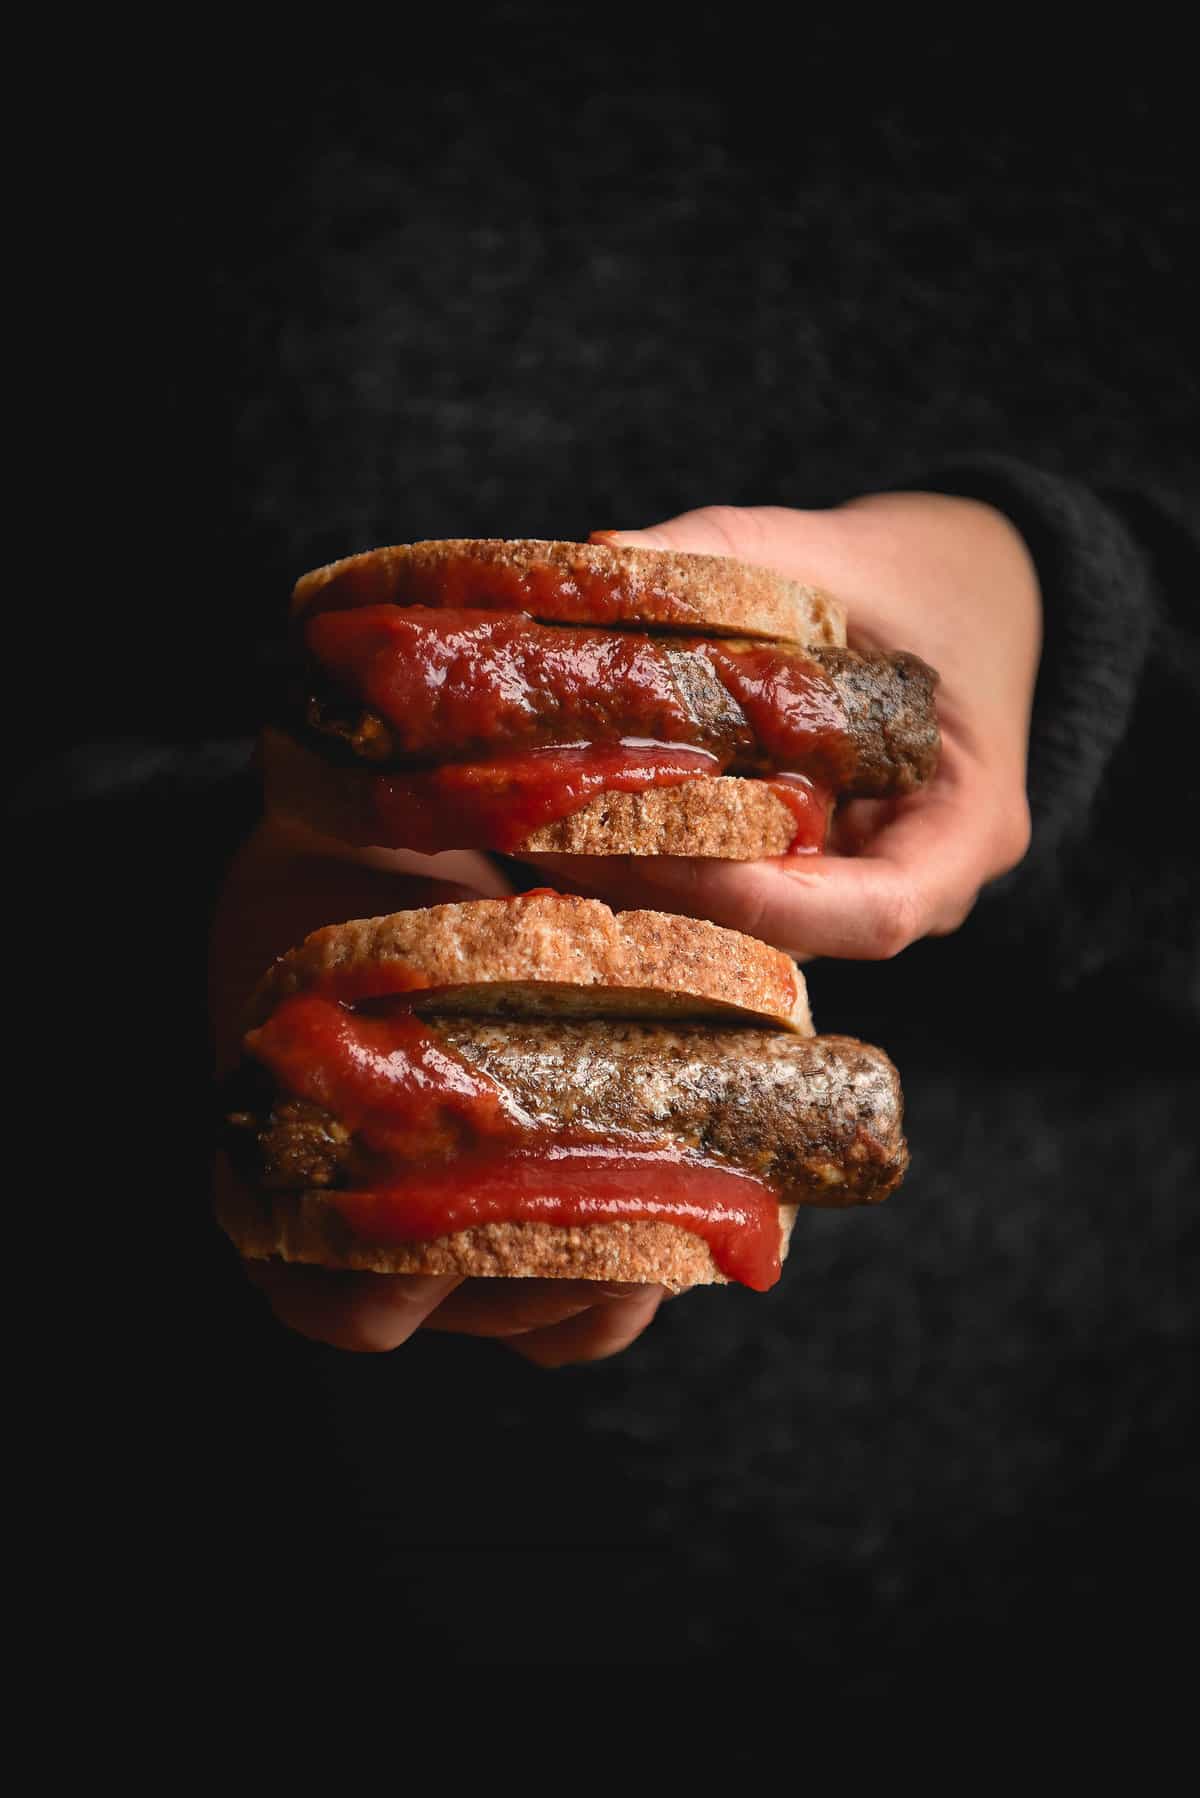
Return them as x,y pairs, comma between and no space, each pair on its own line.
626,539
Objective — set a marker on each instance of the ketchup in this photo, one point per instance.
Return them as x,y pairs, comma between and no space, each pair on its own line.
391,1080
497,804
457,684
525,723
792,706
451,685
605,594
809,806
737,1215
443,1147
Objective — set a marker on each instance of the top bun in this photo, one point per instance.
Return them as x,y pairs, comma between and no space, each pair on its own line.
579,583
547,954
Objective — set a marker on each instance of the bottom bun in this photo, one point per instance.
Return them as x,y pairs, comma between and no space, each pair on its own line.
308,1227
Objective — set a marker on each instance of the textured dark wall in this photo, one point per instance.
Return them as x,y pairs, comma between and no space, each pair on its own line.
535,277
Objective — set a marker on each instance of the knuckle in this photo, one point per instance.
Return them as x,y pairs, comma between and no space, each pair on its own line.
366,1335
542,1354
752,910
953,916
736,527
1013,836
357,1342
898,922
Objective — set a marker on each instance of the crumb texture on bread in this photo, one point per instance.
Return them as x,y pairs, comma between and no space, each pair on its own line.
558,582
721,817
553,952
307,1228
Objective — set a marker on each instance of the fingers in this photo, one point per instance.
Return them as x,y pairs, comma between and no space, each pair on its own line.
839,907
919,571
310,811
899,869
593,1335
922,864
550,1322
771,535
279,889
513,1307
363,1313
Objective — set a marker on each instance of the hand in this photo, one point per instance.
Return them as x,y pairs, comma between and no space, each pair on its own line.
282,886
951,580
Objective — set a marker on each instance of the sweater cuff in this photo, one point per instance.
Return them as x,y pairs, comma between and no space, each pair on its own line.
1099,613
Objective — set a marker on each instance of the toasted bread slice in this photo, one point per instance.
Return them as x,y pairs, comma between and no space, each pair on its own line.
547,954
722,816
580,583
307,1227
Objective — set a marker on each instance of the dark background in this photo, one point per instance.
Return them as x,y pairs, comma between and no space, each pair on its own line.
555,271
539,276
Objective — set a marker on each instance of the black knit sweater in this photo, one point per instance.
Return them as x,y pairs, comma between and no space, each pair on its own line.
1109,885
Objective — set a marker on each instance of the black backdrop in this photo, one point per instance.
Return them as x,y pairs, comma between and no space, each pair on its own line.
534,276
552,272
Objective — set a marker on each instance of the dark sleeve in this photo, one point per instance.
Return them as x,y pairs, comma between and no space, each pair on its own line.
1109,885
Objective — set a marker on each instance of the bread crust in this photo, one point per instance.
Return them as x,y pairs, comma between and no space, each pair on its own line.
307,1228
668,589
547,953
721,816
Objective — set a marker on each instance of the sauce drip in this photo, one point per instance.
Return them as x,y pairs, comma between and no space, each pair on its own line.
793,708
809,806
390,1079
737,1216
446,1149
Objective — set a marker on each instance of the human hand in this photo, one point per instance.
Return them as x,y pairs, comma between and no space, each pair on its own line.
952,581
282,886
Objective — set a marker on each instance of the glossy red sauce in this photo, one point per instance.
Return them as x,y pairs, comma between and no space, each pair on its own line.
460,684
737,1216
497,804
792,706
447,1150
389,1079
809,805
611,595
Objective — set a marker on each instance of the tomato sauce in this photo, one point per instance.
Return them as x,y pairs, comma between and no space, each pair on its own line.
525,724
809,805
447,1149
608,594
498,804
455,685
737,1215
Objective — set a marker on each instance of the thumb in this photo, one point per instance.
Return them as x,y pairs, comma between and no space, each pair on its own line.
653,537
747,532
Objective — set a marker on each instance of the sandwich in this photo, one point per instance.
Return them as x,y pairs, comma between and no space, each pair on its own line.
539,1087
585,698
